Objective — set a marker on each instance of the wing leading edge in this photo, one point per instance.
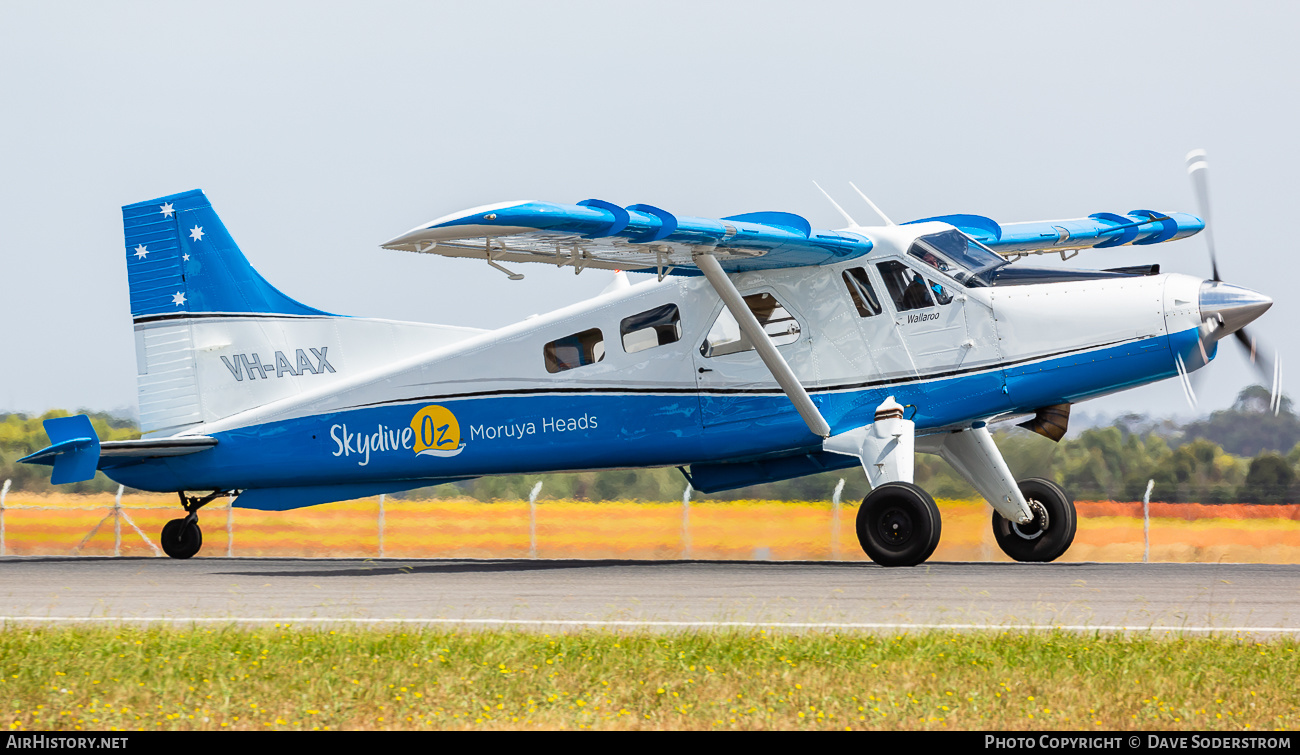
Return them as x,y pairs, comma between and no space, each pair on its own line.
599,234
1097,231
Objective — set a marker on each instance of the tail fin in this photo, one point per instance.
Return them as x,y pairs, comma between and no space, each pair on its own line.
180,260
213,338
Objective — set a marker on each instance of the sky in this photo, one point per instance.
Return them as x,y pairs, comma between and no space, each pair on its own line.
319,130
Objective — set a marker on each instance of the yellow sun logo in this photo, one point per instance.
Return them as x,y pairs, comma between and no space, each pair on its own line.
437,433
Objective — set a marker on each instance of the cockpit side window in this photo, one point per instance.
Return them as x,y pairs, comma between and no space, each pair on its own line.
725,336
940,293
577,350
654,327
905,286
860,290
958,256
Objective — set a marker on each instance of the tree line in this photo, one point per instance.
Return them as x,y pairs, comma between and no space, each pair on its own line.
1243,454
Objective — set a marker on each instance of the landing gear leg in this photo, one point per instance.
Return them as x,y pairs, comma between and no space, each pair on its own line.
182,538
1051,532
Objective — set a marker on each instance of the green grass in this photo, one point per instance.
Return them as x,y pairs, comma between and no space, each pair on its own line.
290,677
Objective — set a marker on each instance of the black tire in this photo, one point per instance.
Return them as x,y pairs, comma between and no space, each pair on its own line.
1031,542
898,524
181,538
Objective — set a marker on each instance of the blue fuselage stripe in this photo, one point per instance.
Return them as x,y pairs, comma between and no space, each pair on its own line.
512,434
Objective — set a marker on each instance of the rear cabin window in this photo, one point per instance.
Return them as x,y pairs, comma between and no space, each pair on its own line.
577,350
725,336
655,327
863,295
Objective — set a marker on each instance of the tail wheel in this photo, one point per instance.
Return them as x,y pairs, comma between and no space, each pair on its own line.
898,524
181,538
1051,532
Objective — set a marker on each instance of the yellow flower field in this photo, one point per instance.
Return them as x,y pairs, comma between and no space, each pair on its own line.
775,530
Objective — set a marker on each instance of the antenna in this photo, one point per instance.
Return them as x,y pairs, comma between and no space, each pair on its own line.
852,223
873,205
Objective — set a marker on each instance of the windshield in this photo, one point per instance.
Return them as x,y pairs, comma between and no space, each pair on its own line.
952,252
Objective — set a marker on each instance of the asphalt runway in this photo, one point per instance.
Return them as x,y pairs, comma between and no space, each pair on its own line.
546,594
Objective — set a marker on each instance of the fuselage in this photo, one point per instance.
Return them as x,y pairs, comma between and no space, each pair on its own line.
654,375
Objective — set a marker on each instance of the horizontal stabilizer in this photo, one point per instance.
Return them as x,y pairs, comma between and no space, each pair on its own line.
115,451
73,449
76,452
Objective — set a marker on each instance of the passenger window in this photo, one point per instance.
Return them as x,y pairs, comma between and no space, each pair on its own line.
864,296
905,286
655,327
725,336
577,350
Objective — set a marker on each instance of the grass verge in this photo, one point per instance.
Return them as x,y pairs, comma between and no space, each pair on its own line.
293,678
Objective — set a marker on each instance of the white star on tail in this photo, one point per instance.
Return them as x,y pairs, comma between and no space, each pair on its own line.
178,298
141,252
166,209
185,257
196,233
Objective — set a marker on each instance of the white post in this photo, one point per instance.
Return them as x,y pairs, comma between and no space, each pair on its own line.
4,491
532,520
230,526
835,520
686,522
381,525
117,521
1146,522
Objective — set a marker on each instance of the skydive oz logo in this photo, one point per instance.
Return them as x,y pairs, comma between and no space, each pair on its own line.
434,431
437,433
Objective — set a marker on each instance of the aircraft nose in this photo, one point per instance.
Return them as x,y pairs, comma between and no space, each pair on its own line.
1231,307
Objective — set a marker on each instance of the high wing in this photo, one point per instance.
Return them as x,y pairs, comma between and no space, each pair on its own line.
599,234
1097,231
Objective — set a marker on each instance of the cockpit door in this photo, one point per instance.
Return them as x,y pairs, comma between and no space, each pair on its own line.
930,315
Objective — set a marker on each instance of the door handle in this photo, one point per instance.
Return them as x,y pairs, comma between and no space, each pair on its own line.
704,370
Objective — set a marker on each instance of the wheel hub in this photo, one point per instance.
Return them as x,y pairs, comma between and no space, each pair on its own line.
1034,529
895,526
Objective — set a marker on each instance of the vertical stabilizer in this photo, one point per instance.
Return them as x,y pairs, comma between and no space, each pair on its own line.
213,338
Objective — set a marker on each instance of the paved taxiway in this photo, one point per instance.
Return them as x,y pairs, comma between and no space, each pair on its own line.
1197,597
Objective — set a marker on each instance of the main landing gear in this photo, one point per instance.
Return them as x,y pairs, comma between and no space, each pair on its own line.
182,538
898,523
1051,532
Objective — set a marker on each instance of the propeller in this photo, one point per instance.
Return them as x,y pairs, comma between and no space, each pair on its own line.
1229,307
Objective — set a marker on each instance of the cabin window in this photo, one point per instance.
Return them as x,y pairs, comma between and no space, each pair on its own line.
577,350
725,336
905,286
864,296
655,327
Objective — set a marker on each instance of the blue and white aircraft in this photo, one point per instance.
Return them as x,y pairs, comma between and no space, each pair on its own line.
759,349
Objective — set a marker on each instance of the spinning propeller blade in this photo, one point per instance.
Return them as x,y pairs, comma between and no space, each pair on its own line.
1226,308
1198,169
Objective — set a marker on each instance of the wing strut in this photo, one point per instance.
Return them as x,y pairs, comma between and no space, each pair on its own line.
766,351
